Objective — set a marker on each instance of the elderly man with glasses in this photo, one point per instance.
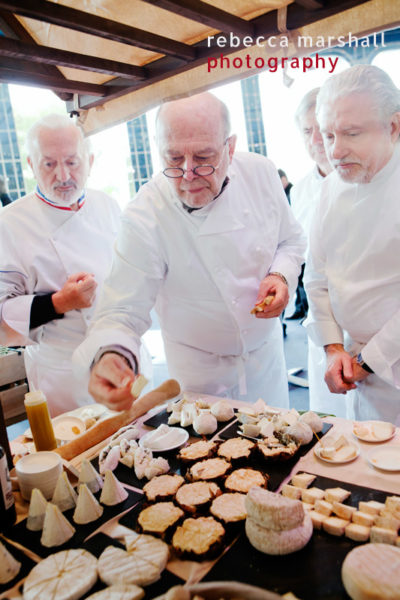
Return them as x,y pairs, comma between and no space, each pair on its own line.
203,242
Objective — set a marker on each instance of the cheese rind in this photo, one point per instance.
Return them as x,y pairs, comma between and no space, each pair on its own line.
383,536
279,542
290,491
273,511
372,572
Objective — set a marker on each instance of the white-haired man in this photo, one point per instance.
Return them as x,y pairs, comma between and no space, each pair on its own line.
203,241
55,250
305,197
352,274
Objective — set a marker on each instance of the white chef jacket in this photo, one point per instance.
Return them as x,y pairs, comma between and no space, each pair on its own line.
353,283
202,271
40,247
305,196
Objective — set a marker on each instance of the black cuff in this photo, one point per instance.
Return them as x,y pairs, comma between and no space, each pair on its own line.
43,311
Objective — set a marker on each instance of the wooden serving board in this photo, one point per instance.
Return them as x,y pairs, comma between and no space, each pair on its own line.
312,573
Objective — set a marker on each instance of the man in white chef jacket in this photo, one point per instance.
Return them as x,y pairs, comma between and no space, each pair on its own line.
305,196
206,239
352,274
55,250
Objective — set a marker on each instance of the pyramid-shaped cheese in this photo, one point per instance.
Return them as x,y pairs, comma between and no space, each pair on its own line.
56,528
37,510
87,508
113,491
64,495
9,567
90,476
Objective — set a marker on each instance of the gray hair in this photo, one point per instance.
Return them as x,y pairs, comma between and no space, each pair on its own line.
363,79
308,102
52,122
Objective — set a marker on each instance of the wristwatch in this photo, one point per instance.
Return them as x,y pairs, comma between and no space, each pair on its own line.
363,364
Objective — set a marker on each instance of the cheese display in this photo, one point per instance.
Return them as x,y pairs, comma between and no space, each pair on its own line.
236,449
64,496
241,480
113,491
147,548
211,468
229,508
198,451
198,413
56,528
89,476
162,487
196,496
372,572
9,567
65,575
198,539
164,438
336,449
87,507
373,431
37,511
158,518
284,541
119,591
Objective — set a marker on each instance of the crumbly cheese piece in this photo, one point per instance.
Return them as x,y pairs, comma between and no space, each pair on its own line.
358,533
344,511
363,518
113,491
336,494
279,542
317,519
302,480
392,504
56,528
372,507
64,494
148,548
90,476
273,511
119,566
312,494
290,491
335,525
387,521
372,571
383,536
65,575
9,566
37,511
119,591
162,486
87,507
323,507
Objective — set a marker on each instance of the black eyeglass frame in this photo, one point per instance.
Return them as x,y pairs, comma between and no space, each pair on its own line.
195,170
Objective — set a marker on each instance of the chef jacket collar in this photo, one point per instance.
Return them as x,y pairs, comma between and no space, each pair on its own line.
43,198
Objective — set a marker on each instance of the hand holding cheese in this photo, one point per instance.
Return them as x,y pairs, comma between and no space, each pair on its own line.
111,380
271,286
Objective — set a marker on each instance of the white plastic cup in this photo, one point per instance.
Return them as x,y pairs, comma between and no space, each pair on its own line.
38,470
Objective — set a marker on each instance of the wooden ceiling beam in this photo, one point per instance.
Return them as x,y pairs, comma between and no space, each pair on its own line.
78,20
309,4
206,14
51,56
8,75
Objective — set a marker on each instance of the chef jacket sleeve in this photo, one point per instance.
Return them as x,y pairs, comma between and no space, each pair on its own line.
382,351
129,293
320,324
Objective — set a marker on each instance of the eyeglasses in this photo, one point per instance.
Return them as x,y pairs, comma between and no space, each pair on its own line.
201,170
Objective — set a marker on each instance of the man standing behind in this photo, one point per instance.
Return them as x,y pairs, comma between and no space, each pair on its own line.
55,250
305,197
203,241
353,275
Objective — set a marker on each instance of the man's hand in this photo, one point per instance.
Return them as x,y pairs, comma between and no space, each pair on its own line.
77,292
358,372
111,380
272,285
339,375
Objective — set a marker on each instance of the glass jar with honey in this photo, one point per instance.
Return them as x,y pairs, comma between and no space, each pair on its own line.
39,420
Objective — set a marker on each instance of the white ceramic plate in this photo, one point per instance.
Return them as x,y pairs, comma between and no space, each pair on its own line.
182,437
337,460
91,410
387,459
374,431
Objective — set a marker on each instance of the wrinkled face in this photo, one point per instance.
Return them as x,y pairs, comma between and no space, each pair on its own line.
313,141
188,138
61,164
357,142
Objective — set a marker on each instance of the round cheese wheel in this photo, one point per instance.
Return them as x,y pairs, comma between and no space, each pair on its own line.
65,575
279,542
372,572
273,511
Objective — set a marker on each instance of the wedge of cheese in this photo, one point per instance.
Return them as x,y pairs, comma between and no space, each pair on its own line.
66,575
90,476
56,528
9,567
372,572
87,507
64,496
37,511
113,491
148,548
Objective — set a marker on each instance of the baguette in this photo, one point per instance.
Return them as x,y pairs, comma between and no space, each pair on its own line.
96,434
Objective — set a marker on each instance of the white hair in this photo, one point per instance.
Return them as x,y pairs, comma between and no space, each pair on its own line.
52,122
306,103
363,79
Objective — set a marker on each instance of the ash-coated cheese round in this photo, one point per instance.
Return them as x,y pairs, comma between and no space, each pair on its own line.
372,572
65,575
273,511
279,542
